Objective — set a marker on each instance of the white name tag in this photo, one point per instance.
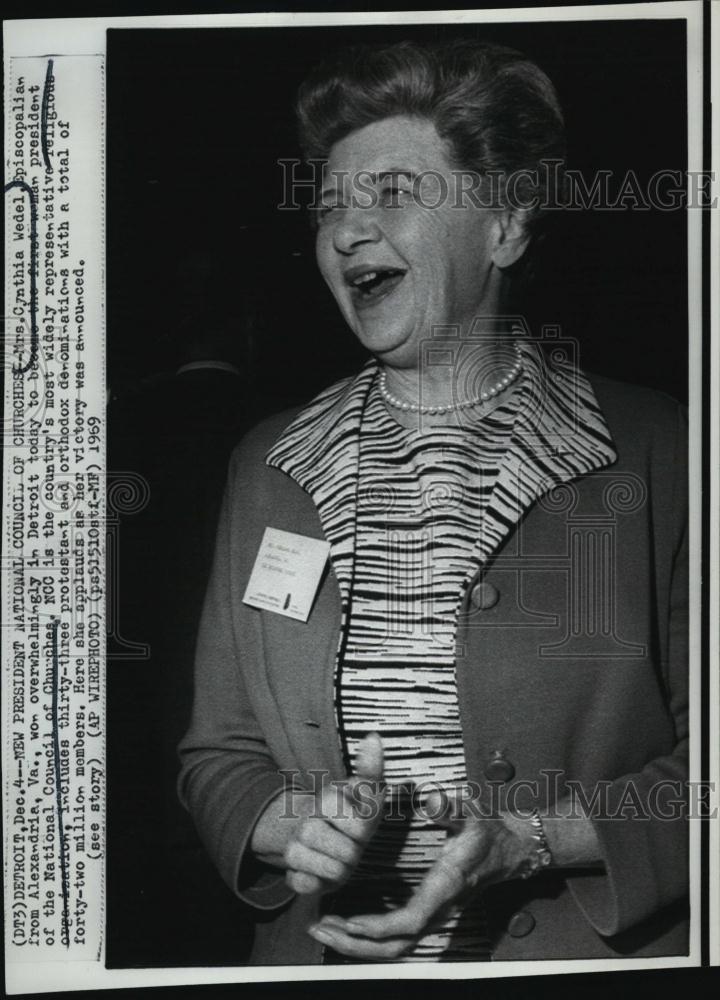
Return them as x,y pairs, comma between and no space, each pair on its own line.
287,573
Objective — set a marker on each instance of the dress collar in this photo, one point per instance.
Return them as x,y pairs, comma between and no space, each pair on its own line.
559,430
320,435
558,434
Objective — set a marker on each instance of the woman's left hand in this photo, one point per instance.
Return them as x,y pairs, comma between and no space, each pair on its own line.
478,853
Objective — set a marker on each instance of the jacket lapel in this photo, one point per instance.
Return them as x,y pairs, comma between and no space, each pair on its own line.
319,451
559,433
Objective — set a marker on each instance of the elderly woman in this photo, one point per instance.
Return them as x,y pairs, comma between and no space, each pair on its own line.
470,741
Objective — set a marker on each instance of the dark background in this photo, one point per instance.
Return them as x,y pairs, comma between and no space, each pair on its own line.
201,263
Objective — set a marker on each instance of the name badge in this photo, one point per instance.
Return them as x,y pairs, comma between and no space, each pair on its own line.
287,573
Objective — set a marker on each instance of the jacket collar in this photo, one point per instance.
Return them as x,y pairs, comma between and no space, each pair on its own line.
559,434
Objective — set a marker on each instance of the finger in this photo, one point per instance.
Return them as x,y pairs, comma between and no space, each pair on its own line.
319,835
382,926
366,789
369,761
302,883
445,808
301,858
443,884
348,925
355,807
358,947
470,851
331,922
356,811
437,807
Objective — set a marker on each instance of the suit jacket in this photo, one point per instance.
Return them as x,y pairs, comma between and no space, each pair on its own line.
575,672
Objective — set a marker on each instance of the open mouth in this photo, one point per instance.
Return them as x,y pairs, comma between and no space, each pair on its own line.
371,284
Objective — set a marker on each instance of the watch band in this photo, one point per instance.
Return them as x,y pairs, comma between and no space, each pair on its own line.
542,856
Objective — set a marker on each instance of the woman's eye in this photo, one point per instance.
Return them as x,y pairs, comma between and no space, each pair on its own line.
323,212
395,194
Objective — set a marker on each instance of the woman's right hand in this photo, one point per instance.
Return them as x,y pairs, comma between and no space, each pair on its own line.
321,847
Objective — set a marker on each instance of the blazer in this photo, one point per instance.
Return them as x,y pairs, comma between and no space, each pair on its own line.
571,665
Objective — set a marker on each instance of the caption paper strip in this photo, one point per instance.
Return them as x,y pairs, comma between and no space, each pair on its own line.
54,511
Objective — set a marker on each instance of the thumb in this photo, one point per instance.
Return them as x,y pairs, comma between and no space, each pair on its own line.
369,762
366,789
444,808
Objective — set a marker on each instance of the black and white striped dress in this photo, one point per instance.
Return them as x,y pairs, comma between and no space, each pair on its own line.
403,551
420,503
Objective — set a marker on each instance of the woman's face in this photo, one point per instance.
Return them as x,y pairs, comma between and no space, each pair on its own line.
402,252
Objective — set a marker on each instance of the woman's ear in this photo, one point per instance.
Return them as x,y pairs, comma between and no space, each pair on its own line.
512,238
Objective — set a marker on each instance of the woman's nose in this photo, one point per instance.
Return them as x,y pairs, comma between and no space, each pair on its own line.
357,226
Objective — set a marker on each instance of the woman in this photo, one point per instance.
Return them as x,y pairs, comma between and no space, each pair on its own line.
503,624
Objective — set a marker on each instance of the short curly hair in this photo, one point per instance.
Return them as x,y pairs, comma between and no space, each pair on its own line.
497,111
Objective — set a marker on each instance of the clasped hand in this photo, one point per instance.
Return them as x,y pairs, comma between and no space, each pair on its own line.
325,849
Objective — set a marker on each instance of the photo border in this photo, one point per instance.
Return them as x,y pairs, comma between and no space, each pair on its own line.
87,36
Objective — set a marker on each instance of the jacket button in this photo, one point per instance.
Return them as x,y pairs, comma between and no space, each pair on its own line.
520,924
499,768
484,596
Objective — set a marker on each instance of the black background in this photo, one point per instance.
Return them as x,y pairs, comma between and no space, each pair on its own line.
197,249
198,120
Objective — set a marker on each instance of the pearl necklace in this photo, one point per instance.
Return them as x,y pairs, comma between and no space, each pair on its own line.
464,404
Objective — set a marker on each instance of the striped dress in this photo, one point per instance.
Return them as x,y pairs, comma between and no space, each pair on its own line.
420,502
374,485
